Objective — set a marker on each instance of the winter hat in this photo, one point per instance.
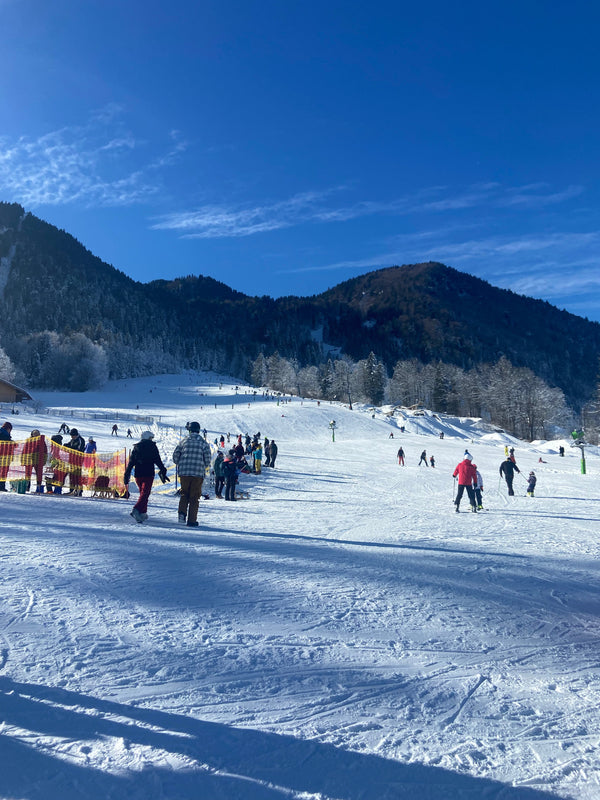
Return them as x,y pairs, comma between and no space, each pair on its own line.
147,435
468,457
57,438
74,432
35,432
194,427
232,452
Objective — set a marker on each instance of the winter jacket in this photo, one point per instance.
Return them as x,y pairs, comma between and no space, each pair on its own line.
218,468
229,468
144,455
76,443
192,456
5,434
467,474
507,468
478,480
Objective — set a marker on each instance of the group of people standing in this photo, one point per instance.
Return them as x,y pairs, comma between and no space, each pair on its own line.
35,455
193,458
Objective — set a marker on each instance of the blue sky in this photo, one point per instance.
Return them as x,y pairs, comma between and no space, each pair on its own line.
283,147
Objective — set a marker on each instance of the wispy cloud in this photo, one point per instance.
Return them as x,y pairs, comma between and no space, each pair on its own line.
88,164
216,221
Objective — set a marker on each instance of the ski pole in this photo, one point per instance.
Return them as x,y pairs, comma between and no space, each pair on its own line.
454,490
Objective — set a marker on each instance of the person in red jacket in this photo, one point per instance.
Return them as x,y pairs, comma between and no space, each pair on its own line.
467,477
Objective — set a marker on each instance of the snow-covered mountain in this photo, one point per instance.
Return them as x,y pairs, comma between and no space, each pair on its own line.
341,635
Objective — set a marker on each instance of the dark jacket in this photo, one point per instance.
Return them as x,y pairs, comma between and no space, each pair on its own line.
508,468
76,443
229,469
218,468
144,455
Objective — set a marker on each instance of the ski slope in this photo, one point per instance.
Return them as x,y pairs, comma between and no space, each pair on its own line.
341,635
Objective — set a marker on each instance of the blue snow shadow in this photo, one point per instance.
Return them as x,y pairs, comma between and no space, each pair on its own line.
218,762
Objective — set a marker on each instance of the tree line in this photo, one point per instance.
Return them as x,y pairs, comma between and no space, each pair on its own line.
513,398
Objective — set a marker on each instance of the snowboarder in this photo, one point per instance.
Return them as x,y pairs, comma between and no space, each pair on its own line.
531,482
467,476
423,459
401,457
507,470
192,457
144,456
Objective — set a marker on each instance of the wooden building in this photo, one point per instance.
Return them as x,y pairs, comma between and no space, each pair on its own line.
9,393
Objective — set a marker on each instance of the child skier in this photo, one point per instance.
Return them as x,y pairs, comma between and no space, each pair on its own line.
478,488
531,482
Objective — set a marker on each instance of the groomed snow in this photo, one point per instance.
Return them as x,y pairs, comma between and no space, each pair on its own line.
341,635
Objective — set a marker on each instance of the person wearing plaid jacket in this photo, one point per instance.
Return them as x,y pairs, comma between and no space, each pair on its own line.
192,457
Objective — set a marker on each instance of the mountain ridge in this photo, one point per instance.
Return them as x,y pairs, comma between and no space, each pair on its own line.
427,311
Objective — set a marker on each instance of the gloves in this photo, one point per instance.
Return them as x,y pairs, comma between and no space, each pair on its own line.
162,474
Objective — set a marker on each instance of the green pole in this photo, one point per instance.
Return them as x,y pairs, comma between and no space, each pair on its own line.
582,461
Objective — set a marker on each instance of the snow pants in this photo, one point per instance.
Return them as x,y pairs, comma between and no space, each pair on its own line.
191,489
230,488
145,487
470,494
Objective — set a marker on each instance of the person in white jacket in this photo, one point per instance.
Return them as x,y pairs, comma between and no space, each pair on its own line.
478,487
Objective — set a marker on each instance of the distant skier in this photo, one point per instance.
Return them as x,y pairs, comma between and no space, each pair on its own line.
423,459
507,470
432,461
531,482
401,457
115,430
467,477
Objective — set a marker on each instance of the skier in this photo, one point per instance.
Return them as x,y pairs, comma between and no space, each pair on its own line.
507,470
267,449
192,456
432,461
478,488
467,476
114,430
144,456
423,459
401,457
531,482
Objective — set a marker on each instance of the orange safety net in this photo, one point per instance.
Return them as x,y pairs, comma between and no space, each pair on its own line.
55,465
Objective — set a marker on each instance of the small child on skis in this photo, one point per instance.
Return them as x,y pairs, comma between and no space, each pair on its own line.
478,489
531,482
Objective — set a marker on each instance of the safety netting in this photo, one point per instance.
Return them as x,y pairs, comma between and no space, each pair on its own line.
53,466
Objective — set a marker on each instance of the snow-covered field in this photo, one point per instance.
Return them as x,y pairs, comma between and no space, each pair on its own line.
341,635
